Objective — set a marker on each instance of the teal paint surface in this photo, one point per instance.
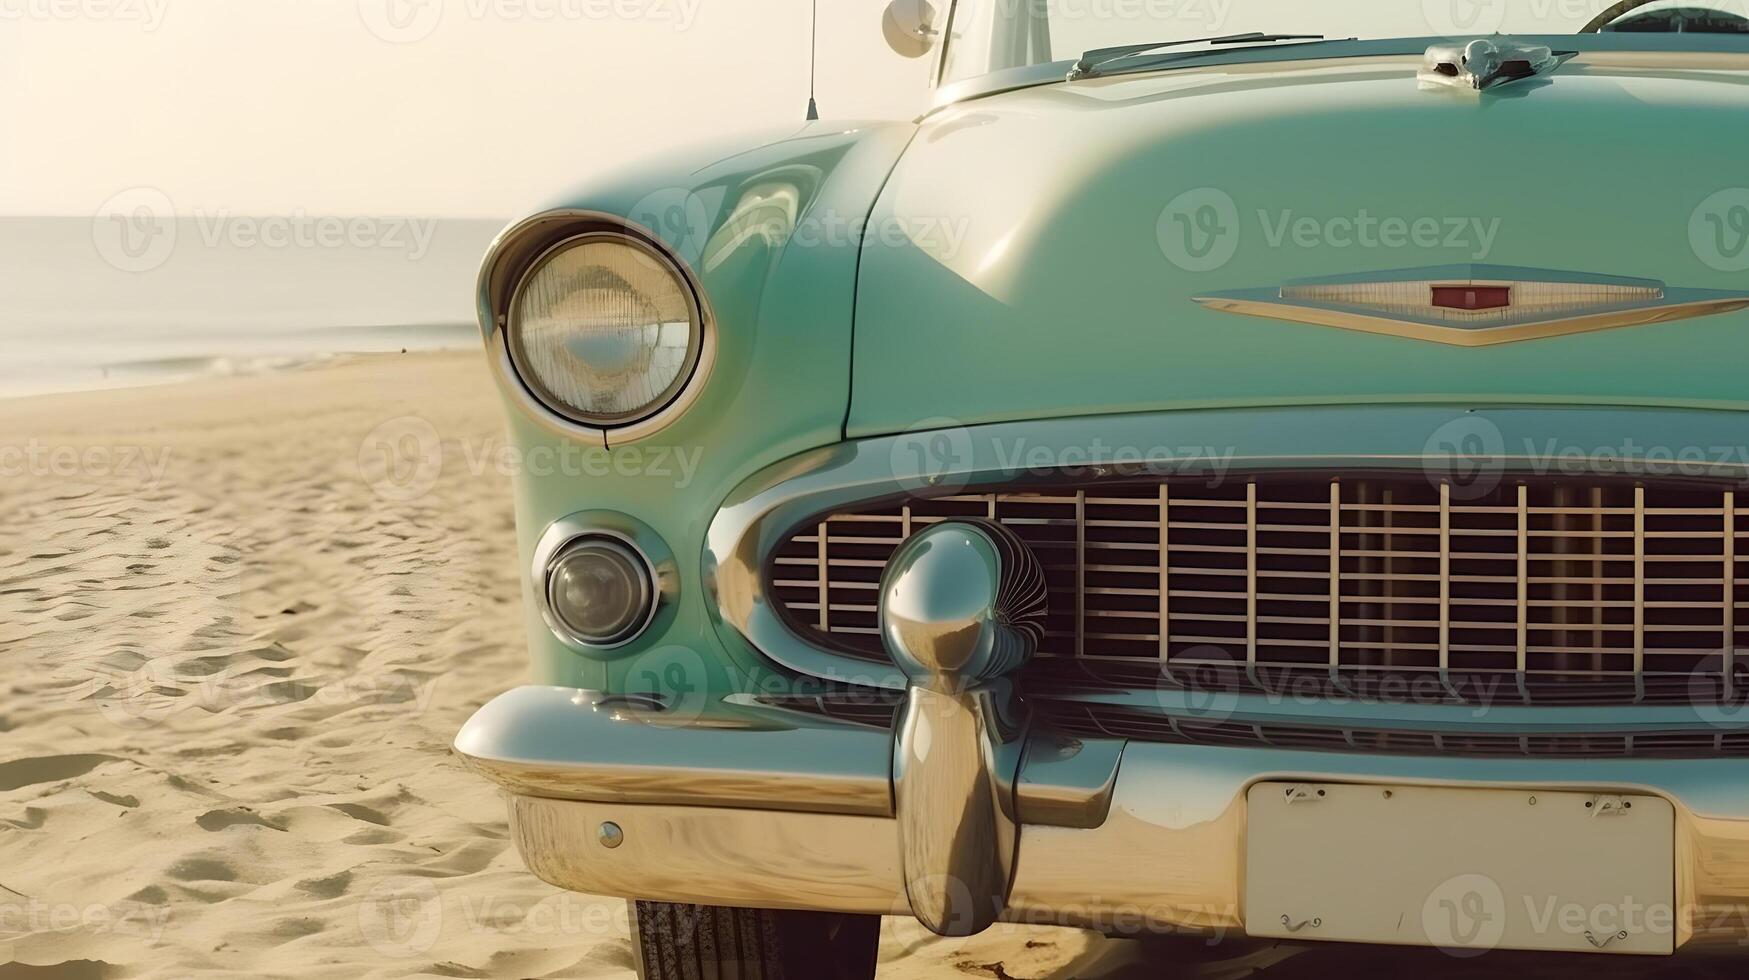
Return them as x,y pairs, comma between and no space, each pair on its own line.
1095,211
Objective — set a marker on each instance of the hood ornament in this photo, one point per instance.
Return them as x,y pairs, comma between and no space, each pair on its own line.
1485,62
1476,305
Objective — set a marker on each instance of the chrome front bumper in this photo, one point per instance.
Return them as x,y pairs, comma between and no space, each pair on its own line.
751,805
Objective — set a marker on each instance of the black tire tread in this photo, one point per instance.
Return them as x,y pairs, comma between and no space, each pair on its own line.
704,942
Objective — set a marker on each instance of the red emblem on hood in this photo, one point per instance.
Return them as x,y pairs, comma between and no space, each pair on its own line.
1472,298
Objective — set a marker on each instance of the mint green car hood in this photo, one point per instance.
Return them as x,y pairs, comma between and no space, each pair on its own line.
1026,264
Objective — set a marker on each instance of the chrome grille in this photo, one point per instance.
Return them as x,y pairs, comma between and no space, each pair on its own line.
1595,591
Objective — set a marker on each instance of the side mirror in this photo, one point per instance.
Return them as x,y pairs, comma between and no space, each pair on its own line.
909,26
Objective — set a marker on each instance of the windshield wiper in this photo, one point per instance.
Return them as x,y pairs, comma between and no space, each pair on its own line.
1097,58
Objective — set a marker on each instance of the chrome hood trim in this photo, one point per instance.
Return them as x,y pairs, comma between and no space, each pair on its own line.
1544,303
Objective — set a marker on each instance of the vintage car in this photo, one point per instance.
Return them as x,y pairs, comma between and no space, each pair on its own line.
1191,479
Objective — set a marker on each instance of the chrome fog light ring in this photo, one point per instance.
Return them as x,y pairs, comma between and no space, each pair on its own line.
606,544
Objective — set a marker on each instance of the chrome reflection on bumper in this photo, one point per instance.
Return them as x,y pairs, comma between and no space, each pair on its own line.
1146,836
962,609
562,743
704,855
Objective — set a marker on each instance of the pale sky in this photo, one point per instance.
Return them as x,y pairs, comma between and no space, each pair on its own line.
485,108
469,107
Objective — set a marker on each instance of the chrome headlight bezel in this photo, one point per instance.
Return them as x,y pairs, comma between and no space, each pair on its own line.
518,255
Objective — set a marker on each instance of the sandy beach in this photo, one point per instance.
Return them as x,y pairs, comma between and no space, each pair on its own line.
232,672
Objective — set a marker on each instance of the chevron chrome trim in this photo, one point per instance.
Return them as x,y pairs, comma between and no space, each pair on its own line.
1543,303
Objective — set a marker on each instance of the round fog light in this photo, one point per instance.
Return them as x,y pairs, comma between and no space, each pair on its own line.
600,591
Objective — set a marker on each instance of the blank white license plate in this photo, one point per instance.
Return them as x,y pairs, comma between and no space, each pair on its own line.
1466,870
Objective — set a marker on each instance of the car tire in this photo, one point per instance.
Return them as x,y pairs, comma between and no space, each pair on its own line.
706,942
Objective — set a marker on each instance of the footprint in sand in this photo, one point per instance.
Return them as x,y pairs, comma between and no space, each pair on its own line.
374,837
68,970
48,769
214,820
202,869
150,895
331,886
128,801
360,812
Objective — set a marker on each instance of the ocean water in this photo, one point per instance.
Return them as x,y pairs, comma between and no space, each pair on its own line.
91,303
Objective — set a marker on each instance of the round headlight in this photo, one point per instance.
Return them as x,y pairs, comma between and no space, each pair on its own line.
600,591
605,330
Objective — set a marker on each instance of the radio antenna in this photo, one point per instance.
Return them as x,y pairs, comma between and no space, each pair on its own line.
813,57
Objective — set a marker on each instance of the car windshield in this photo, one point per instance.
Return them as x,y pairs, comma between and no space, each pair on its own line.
983,36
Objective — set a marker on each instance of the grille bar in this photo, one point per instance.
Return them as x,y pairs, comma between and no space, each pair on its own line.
822,560
1640,591
1165,591
1334,584
1250,579
1601,586
1080,568
1729,584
